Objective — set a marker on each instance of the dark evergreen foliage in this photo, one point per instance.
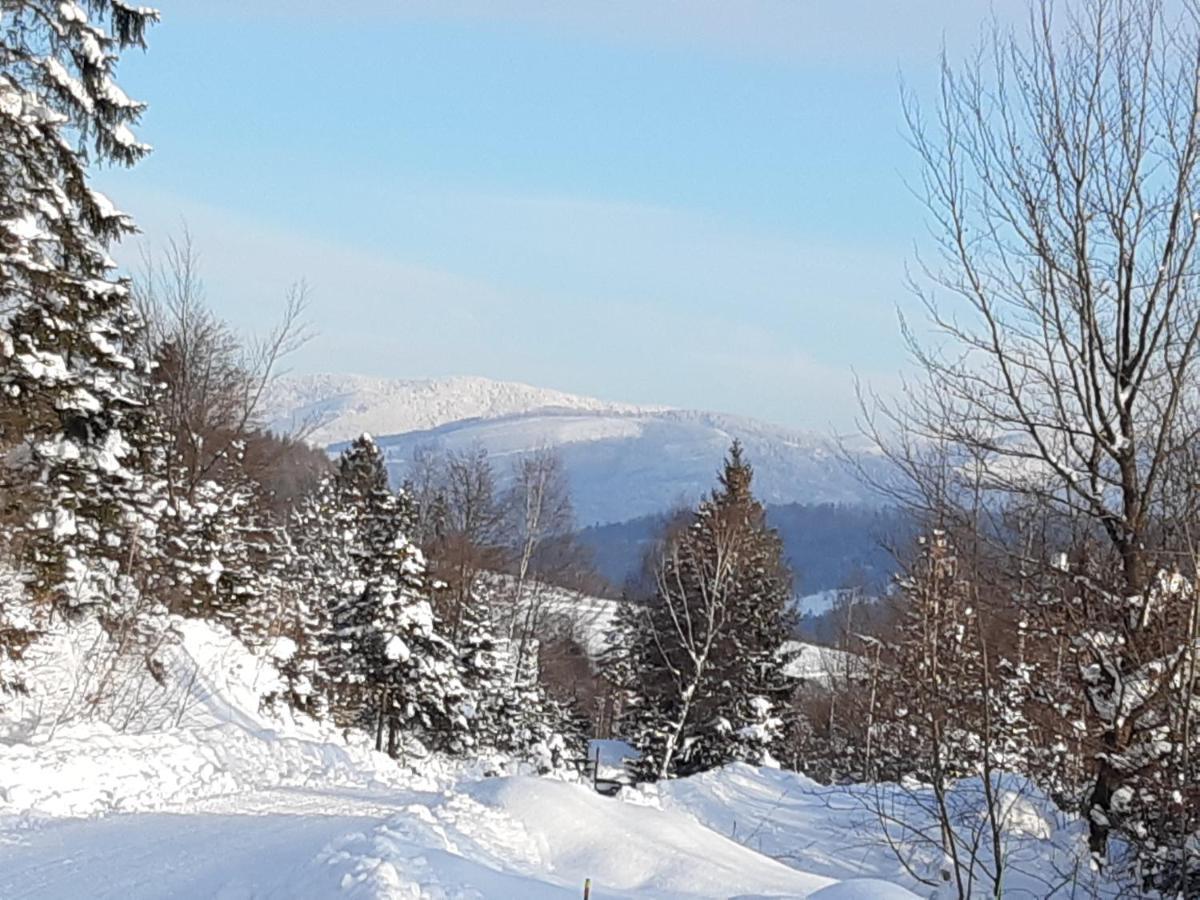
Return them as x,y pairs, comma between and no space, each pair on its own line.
73,388
704,658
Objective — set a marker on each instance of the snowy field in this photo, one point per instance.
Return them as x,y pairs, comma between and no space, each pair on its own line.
189,790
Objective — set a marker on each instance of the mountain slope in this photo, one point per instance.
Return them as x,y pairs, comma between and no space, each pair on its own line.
623,461
329,408
624,466
828,546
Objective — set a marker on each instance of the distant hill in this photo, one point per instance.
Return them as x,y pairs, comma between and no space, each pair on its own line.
828,545
623,461
330,409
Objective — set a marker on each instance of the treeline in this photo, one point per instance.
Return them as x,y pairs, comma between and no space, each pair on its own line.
827,545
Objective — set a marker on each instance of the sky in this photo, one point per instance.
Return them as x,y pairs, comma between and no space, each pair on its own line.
700,204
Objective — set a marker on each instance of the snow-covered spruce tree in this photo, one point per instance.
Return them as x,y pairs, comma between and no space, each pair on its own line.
317,543
750,661
509,711
219,546
933,706
72,387
394,671
705,651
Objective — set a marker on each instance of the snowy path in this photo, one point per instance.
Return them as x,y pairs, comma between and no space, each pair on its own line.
233,847
498,838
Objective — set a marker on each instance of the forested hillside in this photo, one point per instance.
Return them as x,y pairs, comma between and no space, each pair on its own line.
827,546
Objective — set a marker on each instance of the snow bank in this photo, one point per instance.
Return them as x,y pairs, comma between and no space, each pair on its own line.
864,889
192,675
91,770
848,832
540,838
100,731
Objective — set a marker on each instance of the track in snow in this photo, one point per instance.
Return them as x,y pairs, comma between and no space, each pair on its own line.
232,848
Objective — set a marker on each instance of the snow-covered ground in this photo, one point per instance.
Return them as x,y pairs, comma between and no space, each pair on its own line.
812,662
191,790
888,832
589,620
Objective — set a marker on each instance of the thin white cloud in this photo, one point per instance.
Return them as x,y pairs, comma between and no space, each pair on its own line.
851,31
635,334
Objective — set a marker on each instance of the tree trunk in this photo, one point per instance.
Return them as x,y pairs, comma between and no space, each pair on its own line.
672,744
379,720
1108,778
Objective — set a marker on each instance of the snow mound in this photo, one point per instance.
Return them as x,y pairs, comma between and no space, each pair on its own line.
848,832
102,731
90,770
540,838
864,889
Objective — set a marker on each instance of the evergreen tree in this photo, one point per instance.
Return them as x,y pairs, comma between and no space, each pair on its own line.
73,388
761,621
319,538
509,712
704,662
933,714
396,672
20,623
220,547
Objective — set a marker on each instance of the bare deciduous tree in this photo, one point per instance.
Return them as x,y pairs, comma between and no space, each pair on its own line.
213,377
1061,178
462,525
539,513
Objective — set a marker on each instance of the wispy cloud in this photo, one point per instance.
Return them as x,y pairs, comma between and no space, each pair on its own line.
621,300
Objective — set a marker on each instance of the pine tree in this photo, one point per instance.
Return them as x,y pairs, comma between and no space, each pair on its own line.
705,654
318,538
73,388
395,669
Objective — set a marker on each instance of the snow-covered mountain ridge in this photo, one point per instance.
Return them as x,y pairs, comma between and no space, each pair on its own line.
623,461
329,408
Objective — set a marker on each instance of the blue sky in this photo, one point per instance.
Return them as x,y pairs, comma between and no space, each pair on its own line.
698,204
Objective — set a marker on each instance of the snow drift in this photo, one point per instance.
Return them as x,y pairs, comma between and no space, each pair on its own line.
187,782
